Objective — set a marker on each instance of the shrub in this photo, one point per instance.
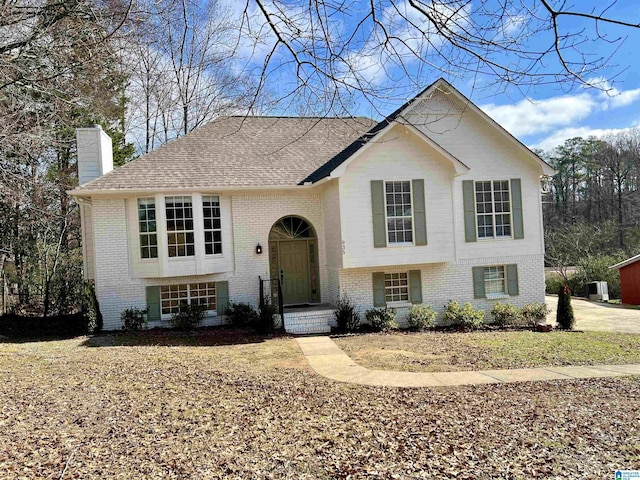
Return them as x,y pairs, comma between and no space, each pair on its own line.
564,317
134,319
505,315
242,315
421,317
382,319
346,315
552,283
535,313
189,317
91,309
266,317
463,318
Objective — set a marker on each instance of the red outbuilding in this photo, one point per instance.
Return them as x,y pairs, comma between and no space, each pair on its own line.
629,280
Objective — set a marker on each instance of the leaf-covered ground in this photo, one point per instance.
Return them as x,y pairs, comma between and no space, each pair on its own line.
235,407
450,351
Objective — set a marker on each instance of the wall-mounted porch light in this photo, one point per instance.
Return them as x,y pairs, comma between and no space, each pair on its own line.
258,249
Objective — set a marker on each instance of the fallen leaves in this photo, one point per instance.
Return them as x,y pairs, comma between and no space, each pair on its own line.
234,411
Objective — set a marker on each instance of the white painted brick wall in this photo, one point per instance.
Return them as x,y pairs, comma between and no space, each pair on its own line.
253,217
398,156
444,282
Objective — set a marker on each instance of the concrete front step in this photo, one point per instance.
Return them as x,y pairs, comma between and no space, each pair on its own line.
304,323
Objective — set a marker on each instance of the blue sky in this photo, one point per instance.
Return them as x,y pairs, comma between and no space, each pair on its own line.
541,116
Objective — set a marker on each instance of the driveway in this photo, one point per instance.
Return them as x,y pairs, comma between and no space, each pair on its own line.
598,316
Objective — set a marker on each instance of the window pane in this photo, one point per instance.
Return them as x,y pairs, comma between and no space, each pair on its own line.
147,227
212,225
399,212
179,226
396,287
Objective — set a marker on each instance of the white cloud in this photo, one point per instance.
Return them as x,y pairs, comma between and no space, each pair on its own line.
562,115
530,117
559,137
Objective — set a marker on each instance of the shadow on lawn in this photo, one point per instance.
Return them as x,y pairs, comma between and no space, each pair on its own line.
205,337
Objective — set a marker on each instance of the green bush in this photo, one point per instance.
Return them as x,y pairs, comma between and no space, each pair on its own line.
382,319
189,317
535,313
347,317
242,315
564,317
552,283
464,318
266,318
134,319
596,268
421,317
506,315
91,309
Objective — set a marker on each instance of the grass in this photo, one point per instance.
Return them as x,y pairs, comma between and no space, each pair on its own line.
224,405
437,351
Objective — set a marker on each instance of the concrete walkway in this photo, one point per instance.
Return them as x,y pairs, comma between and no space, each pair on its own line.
598,317
328,360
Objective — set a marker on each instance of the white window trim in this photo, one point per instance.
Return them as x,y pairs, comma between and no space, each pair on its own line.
386,217
493,213
157,232
165,317
204,230
497,295
185,232
398,303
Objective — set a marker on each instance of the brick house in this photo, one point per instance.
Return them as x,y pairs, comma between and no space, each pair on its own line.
436,202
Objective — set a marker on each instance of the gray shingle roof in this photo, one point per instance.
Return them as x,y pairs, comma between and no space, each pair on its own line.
239,152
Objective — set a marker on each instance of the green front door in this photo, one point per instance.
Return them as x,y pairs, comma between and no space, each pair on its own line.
294,271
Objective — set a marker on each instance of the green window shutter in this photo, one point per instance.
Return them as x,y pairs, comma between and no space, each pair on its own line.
512,280
377,206
153,304
415,286
222,297
516,209
468,195
379,299
478,282
419,212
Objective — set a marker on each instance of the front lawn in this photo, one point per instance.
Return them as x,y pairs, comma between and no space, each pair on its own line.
448,351
222,405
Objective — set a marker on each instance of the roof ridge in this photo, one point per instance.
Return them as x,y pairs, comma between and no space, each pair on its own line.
298,117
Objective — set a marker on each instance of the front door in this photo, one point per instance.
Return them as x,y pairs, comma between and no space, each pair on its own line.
294,271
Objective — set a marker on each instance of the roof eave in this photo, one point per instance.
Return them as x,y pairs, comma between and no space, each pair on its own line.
110,192
624,263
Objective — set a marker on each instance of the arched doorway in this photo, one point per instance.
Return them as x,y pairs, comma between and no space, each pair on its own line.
293,258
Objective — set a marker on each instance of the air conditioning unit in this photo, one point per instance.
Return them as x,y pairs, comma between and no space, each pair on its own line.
598,291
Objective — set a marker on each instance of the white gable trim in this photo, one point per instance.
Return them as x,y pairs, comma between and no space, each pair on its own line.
459,166
624,263
446,87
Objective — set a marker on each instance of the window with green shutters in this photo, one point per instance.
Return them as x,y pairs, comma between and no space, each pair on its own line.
396,287
398,213
492,209
165,300
495,281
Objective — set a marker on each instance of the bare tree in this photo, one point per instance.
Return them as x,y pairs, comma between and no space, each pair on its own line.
179,58
378,48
